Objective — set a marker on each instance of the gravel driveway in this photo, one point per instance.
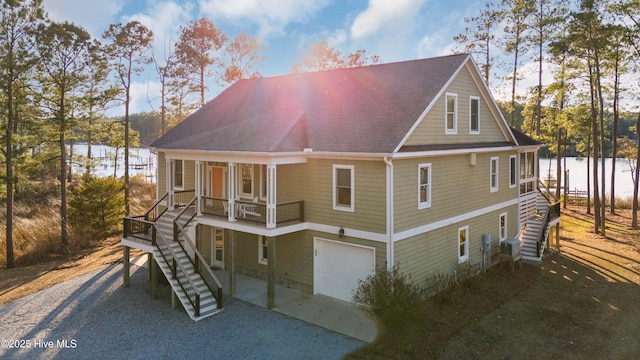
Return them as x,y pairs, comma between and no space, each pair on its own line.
93,316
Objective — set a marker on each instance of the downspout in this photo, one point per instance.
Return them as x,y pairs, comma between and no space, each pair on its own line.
390,252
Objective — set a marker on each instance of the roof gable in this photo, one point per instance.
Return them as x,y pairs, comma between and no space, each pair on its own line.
367,109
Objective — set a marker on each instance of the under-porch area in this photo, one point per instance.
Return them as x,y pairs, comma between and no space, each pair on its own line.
332,314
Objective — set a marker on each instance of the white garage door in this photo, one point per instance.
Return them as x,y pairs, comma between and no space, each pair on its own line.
339,266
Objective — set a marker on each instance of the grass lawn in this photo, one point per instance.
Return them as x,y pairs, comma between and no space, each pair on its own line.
579,304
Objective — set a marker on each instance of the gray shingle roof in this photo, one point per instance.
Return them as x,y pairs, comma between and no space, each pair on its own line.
366,109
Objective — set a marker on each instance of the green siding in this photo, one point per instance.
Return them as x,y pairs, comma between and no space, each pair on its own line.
456,188
313,182
432,128
294,256
436,252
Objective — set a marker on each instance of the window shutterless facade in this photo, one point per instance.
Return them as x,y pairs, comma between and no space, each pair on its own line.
178,174
493,175
474,115
343,187
263,250
502,227
424,186
463,244
513,175
246,181
451,113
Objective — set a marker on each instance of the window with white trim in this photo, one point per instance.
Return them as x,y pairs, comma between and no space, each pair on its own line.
463,244
263,250
178,174
343,187
246,181
493,174
451,111
424,186
513,168
502,227
474,115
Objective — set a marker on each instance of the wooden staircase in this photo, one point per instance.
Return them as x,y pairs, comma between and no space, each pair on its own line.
534,237
188,285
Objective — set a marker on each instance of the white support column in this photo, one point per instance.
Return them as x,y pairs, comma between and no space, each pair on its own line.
199,182
233,185
169,183
271,196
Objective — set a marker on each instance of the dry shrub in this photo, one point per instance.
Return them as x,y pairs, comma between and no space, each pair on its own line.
36,233
143,195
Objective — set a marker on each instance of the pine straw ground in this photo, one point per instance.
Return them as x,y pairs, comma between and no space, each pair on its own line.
579,304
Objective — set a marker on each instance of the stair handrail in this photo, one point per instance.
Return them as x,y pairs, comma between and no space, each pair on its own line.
175,263
180,229
546,193
143,219
543,231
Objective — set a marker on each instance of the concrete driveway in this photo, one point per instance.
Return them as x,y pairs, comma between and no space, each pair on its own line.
93,316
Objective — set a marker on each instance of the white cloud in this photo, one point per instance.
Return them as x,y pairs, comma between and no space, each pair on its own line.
271,16
163,19
94,16
392,16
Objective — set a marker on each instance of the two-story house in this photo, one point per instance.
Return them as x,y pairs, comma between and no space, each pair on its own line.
313,180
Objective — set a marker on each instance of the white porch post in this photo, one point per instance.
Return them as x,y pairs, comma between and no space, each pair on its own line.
199,183
169,183
271,196
231,194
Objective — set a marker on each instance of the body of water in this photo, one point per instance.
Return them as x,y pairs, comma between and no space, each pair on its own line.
578,176
142,161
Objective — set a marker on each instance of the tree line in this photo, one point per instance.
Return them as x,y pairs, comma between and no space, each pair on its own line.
57,83
593,49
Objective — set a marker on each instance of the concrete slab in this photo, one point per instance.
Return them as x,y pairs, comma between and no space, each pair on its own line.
332,314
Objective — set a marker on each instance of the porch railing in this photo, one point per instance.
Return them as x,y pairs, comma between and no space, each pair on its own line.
141,226
179,225
248,211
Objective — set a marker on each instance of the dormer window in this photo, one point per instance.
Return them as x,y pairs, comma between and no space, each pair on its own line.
451,111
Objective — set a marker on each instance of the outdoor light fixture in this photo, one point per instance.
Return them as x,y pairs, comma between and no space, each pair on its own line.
341,232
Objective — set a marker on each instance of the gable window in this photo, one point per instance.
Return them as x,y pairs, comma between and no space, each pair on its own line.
451,110
502,227
513,171
463,244
263,250
474,115
246,178
343,187
424,186
493,176
178,174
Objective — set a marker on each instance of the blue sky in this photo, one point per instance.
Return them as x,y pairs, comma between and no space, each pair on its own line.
395,30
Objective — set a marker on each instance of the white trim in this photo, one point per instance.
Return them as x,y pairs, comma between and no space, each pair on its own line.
465,257
337,206
241,192
452,220
174,177
389,204
506,227
433,153
493,188
353,233
515,170
316,239
262,259
431,105
263,180
471,131
137,245
424,204
455,113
